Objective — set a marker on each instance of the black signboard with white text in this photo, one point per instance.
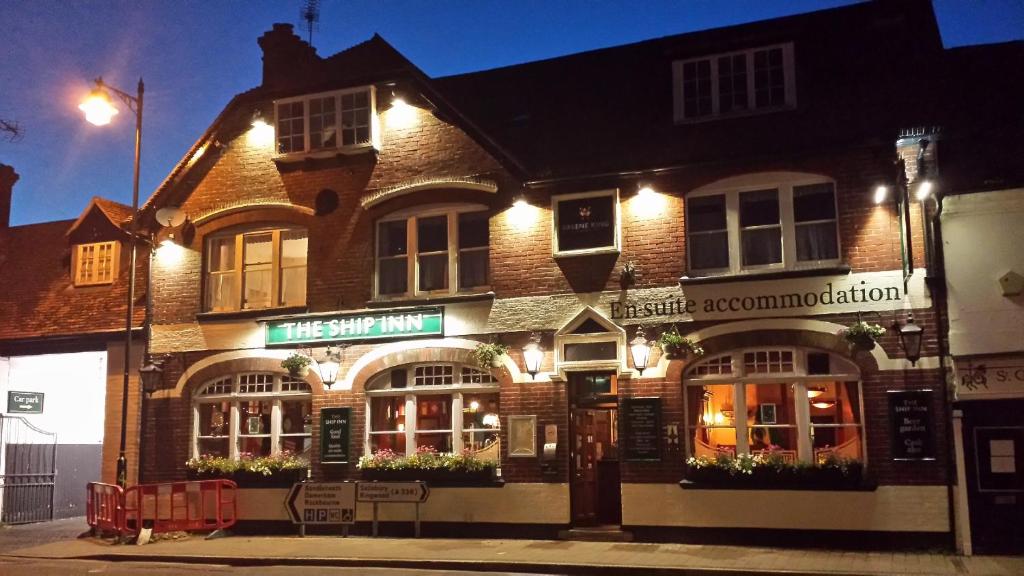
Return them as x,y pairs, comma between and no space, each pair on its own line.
25,402
913,424
586,223
641,428
334,435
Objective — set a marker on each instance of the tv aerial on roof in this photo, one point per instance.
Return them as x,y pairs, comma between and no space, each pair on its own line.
310,12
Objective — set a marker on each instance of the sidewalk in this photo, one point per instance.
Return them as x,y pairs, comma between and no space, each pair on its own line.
561,557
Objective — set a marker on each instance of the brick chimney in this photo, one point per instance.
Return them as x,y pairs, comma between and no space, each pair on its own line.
7,179
286,57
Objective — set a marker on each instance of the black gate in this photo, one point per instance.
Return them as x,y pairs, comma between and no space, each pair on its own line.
28,469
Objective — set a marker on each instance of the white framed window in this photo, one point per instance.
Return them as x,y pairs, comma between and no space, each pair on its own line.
747,81
800,404
448,407
95,263
330,121
257,414
255,269
762,222
435,250
586,223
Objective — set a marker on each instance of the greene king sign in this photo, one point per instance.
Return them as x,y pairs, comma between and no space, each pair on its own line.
371,326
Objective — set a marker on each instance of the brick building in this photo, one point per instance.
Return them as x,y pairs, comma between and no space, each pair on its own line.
63,300
728,185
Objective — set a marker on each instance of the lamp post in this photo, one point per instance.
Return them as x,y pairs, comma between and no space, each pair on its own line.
99,110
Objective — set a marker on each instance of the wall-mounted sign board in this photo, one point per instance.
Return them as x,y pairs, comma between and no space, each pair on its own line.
344,327
641,428
334,435
912,424
24,402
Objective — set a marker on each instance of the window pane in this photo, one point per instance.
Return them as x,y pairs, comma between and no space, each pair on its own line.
439,442
759,208
299,445
220,291
215,419
256,293
433,413
762,246
322,123
255,417
769,78
770,406
590,351
480,412
705,213
393,278
432,234
473,230
393,442
392,238
817,241
433,272
294,245
697,88
732,83
709,250
297,416
293,286
814,202
387,414
473,268
221,254
290,130
258,248
710,419
214,447
835,419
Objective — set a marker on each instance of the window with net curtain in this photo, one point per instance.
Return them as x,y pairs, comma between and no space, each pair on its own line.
447,407
790,223
436,251
254,269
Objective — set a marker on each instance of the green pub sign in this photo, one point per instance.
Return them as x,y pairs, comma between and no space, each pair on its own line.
24,402
334,435
369,326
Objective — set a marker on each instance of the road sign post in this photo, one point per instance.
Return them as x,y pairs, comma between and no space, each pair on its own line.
322,503
393,493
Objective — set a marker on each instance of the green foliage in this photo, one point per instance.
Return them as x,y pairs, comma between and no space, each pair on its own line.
671,342
209,465
486,354
296,362
863,335
766,469
425,458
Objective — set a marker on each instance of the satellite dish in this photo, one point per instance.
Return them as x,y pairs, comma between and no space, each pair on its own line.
171,216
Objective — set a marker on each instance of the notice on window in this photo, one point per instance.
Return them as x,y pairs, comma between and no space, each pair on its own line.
912,423
641,432
334,435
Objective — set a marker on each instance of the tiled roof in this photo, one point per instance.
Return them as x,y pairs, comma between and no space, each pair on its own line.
38,298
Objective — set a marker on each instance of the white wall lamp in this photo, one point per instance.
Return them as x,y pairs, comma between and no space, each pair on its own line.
330,365
640,350
533,354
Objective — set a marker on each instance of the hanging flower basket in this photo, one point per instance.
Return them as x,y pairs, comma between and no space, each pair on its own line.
863,336
486,355
674,346
297,365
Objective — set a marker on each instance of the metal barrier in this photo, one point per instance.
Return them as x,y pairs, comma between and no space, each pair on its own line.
179,506
104,507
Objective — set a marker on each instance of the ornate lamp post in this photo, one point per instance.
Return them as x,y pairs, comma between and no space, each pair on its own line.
99,109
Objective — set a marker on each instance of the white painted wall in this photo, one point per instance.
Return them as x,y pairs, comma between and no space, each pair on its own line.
75,389
983,238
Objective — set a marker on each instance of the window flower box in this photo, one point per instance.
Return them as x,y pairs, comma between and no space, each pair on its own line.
428,465
766,471
277,471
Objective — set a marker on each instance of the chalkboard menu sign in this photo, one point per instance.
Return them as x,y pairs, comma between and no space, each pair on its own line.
334,435
913,427
641,428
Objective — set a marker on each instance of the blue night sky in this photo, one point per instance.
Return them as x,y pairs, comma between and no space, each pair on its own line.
194,56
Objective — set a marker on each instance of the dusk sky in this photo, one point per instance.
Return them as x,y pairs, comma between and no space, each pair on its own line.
194,56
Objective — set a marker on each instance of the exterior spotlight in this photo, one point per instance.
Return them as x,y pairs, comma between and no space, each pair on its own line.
520,201
924,189
881,193
640,349
257,119
532,355
910,339
329,366
646,190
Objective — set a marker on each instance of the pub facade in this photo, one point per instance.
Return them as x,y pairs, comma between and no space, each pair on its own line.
740,195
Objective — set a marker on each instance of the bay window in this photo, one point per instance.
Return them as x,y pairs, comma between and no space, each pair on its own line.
256,414
340,120
797,404
256,269
439,251
448,407
785,222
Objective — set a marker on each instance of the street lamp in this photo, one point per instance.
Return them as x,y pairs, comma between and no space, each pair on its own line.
99,109
640,349
532,355
910,339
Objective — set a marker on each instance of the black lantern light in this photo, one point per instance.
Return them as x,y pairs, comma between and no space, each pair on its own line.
533,354
640,350
151,375
910,339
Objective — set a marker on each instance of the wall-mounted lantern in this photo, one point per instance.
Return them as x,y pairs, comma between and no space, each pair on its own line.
533,354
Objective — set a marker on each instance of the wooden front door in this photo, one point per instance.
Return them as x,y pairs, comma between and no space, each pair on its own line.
595,467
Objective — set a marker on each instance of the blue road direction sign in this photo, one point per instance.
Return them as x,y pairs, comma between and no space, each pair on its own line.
24,402
322,503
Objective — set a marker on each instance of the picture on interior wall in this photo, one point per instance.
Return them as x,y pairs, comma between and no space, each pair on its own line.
522,436
768,413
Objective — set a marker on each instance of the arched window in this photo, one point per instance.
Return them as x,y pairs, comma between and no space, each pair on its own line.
450,407
797,403
252,413
253,269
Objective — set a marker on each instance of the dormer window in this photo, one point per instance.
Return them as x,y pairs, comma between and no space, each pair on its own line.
95,263
343,120
748,81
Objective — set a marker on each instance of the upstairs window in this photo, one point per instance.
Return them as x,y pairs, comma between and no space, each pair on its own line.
256,269
329,121
776,221
760,79
95,263
433,252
